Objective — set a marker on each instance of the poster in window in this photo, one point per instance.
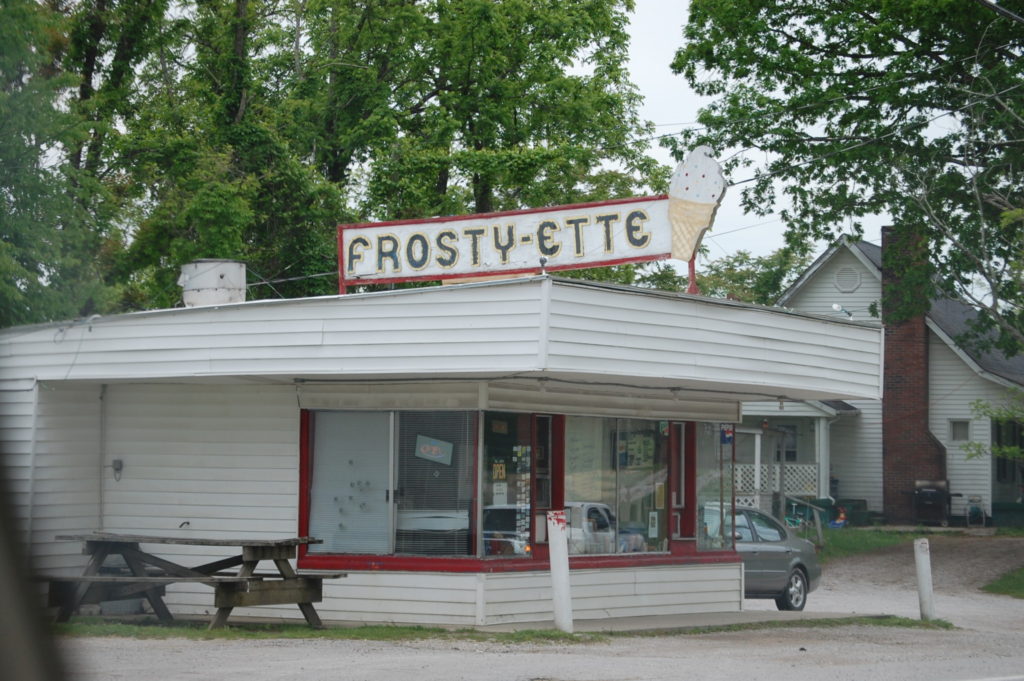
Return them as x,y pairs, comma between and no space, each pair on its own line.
437,451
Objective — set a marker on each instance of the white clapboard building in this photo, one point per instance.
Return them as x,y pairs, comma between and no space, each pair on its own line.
421,434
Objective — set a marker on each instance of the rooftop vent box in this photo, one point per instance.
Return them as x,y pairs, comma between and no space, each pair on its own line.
212,282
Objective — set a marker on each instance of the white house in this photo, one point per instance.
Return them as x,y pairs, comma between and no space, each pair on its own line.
844,440
421,434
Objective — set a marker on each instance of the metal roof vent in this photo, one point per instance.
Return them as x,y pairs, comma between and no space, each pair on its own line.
847,279
212,282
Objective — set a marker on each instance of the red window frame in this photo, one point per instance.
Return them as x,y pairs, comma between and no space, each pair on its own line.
680,551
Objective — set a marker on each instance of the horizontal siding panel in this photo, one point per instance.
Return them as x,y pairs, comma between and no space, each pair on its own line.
488,328
218,527
954,386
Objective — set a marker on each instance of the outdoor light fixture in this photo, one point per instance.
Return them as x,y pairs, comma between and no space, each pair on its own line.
839,308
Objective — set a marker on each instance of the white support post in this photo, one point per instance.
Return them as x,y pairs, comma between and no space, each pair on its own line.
823,455
923,561
558,547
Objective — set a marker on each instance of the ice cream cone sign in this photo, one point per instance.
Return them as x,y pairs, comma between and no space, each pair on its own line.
694,193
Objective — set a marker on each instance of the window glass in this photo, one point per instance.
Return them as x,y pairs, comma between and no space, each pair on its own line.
434,492
960,431
392,482
615,485
714,486
743,532
506,484
766,528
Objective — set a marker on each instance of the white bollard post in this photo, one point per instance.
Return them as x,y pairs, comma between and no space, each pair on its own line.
558,548
923,561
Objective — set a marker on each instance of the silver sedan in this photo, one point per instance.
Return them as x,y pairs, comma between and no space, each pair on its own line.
776,563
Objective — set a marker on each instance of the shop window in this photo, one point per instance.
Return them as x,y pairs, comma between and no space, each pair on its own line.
392,482
507,463
715,457
615,485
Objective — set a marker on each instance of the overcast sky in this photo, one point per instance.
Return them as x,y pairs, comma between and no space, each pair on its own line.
656,30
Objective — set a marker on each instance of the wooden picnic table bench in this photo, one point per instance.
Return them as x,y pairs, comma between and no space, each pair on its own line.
148,574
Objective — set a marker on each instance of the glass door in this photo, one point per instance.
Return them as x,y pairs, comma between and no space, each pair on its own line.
351,507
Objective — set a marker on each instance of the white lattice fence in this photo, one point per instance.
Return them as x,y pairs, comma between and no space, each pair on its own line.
801,480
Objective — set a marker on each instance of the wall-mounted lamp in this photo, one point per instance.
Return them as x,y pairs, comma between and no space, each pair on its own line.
839,308
117,465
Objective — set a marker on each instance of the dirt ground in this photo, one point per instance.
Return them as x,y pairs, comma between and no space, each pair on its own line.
885,582
988,643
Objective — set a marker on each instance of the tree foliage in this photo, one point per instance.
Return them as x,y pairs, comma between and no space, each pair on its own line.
47,265
911,110
752,279
247,129
1007,415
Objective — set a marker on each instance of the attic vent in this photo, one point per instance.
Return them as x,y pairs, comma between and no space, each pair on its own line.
847,279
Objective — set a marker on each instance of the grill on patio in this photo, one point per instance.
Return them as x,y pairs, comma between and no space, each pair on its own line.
931,502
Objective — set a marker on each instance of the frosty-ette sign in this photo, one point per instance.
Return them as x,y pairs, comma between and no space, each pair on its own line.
556,238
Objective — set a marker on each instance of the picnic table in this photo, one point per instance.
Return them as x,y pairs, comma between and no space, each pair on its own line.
148,574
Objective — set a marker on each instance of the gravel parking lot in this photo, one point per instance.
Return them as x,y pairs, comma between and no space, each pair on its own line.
987,644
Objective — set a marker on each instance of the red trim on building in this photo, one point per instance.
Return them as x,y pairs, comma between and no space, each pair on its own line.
305,476
689,528
483,217
344,283
683,554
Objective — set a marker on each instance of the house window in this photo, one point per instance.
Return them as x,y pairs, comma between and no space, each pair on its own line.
959,430
1007,444
787,443
615,485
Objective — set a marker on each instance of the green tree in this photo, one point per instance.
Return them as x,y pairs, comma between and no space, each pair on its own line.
751,279
1001,414
46,268
211,152
908,109
519,103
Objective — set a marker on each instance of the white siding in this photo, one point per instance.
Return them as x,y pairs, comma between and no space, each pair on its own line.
856,447
65,495
461,599
17,435
954,386
819,294
596,335
855,441
224,460
421,332
712,344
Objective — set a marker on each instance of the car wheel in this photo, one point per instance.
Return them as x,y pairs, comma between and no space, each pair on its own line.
795,595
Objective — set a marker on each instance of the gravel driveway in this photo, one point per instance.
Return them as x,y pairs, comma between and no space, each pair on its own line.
988,643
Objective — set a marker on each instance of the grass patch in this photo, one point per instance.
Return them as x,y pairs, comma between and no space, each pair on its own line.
840,543
1010,531
825,623
1010,584
151,628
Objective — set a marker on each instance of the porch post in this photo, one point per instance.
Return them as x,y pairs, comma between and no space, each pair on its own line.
822,455
757,471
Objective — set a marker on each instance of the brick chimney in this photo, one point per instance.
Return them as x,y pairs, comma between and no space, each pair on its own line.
909,450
